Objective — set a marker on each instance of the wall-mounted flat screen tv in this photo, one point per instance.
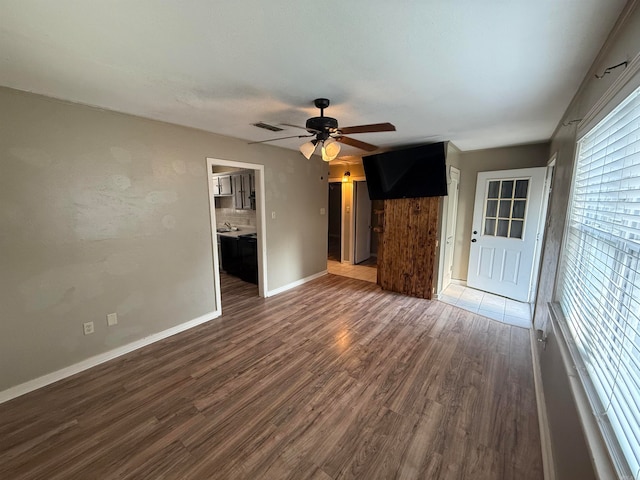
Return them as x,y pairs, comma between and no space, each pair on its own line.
409,173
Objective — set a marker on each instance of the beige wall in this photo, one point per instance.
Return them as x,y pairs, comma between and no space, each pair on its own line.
469,164
102,212
566,432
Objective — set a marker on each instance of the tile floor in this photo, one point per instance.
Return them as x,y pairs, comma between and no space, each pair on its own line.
366,273
488,305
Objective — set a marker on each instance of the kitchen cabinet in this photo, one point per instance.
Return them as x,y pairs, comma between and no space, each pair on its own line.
239,256
248,246
231,260
222,185
243,191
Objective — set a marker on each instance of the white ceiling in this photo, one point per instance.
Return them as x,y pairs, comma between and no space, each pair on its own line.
479,73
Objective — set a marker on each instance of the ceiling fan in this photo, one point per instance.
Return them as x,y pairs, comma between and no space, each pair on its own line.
329,135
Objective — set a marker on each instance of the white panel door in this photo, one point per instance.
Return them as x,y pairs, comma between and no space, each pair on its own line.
362,244
506,217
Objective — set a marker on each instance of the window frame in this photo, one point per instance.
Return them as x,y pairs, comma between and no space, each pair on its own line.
597,431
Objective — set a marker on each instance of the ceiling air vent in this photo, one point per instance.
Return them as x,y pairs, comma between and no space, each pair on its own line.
266,126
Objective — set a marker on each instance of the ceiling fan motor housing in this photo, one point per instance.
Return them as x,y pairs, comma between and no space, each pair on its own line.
322,124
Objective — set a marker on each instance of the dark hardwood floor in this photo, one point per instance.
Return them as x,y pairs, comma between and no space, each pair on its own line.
333,379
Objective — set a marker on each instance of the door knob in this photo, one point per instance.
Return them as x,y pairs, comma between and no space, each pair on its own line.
474,240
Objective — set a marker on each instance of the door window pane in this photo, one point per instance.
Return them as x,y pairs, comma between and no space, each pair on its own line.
518,209
506,191
503,228
506,204
492,208
522,188
494,189
516,229
505,208
490,227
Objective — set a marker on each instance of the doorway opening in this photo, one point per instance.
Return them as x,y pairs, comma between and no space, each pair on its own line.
507,232
361,223
508,226
334,240
236,200
350,235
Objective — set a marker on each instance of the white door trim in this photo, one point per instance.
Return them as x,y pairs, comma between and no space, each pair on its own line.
542,225
261,223
354,208
444,218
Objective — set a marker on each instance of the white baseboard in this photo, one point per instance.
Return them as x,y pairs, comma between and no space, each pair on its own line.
297,283
459,282
52,377
543,420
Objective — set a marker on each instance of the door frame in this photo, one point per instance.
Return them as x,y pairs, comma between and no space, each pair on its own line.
535,252
331,180
354,209
544,222
440,286
349,210
261,223
348,218
343,204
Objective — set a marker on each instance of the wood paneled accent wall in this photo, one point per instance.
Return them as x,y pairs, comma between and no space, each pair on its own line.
407,255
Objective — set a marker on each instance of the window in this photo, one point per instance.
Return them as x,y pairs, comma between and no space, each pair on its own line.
599,285
505,206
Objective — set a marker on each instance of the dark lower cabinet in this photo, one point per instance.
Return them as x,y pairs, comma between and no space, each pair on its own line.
231,261
249,258
240,257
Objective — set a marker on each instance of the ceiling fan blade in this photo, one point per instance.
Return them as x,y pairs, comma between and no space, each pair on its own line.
298,126
356,143
281,138
374,127
291,125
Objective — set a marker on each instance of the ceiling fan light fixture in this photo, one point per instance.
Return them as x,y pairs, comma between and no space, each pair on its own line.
330,149
308,148
322,128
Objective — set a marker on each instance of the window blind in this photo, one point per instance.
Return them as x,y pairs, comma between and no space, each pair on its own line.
599,284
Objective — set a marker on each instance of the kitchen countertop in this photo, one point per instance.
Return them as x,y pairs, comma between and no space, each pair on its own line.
236,234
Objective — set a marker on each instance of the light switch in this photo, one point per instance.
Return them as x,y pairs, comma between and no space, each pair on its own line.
273,215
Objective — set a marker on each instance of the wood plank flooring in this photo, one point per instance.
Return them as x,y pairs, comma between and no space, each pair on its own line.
333,379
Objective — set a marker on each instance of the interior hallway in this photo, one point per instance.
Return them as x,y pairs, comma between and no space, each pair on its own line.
366,271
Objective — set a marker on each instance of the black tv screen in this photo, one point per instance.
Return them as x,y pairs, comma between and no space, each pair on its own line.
409,173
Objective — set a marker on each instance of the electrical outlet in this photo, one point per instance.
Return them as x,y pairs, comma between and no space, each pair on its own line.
112,319
88,328
322,211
